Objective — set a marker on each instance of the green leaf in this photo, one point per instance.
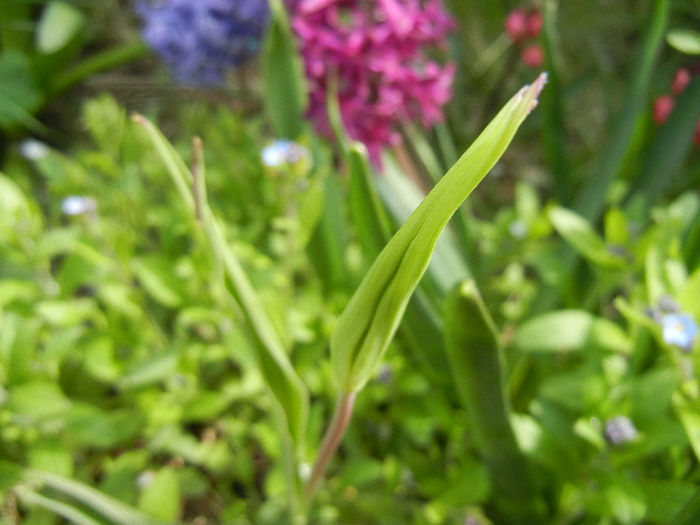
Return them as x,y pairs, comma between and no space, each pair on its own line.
285,93
90,426
478,368
101,503
39,399
626,501
19,95
665,498
684,40
59,24
70,312
161,498
59,508
690,513
569,331
153,273
19,218
372,316
151,370
689,415
590,200
51,457
274,363
10,475
688,298
105,119
582,238
369,219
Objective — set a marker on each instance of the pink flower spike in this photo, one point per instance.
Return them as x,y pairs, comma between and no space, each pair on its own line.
376,50
516,25
680,81
532,56
534,24
662,108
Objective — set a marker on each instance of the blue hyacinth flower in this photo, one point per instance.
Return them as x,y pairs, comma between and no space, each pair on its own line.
202,40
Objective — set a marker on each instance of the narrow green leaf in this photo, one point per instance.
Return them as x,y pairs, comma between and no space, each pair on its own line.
581,236
369,218
372,316
104,505
553,108
478,369
285,93
590,201
689,415
275,366
20,96
666,153
71,514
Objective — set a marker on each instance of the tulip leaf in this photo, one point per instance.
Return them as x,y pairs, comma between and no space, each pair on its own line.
372,316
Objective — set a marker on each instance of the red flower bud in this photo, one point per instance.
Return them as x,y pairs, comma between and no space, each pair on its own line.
680,81
662,108
532,56
516,25
534,24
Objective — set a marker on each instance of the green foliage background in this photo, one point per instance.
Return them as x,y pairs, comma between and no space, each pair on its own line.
128,367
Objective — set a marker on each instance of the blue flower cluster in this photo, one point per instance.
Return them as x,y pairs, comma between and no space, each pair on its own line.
200,40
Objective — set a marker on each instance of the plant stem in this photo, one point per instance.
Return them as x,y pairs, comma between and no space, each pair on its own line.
101,61
331,440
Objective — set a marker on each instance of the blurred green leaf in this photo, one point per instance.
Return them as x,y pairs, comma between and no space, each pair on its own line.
688,298
20,97
689,414
590,201
151,370
38,399
626,501
684,40
161,497
285,95
569,331
581,236
154,274
59,23
102,504
477,366
19,217
275,366
665,498
51,456
10,475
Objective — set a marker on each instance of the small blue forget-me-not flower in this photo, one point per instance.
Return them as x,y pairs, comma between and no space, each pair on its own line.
283,151
680,329
200,40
